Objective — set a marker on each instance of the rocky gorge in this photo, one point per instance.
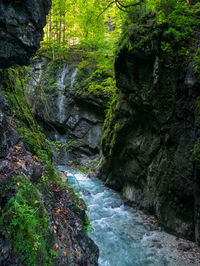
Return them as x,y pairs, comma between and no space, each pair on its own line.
48,227
148,134
21,30
64,110
149,149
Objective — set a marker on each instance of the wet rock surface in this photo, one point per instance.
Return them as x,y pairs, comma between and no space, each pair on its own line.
72,244
177,247
21,29
149,148
8,134
64,110
65,212
65,217
121,230
4,106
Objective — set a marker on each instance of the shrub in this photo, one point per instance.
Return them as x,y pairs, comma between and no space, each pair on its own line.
26,223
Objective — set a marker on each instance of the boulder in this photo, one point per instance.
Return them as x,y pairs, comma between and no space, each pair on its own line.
21,29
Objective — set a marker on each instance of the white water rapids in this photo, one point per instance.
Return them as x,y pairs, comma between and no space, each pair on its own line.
118,229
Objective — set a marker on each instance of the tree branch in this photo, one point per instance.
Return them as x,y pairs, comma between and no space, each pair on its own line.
106,8
126,6
120,6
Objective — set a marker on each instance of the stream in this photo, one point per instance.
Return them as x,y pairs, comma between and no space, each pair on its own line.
118,228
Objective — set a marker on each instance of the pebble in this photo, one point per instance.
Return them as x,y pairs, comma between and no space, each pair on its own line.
147,227
184,246
86,192
157,245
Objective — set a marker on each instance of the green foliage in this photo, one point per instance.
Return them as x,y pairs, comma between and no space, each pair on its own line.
88,168
16,79
109,135
177,38
79,23
95,77
166,7
53,254
85,27
35,142
50,172
172,22
27,224
57,145
101,85
87,225
24,216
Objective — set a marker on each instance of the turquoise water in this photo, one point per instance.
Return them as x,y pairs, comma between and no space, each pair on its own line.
118,228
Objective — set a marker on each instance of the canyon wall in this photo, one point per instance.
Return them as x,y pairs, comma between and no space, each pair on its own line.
149,142
48,227
66,112
21,29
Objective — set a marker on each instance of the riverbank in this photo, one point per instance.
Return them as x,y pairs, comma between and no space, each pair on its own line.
132,236
176,247
46,228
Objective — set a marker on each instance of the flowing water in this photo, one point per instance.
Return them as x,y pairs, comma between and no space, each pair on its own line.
73,77
64,74
118,229
61,108
64,71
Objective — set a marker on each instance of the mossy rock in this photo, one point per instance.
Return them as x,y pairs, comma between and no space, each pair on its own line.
26,223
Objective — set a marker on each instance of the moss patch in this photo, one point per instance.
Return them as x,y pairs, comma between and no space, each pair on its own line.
26,223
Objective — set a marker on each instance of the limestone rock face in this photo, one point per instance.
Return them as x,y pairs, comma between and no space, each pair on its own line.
148,148
65,111
21,29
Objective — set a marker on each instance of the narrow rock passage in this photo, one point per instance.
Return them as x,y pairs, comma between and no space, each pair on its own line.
118,229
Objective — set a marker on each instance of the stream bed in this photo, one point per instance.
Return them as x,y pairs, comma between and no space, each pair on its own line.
118,228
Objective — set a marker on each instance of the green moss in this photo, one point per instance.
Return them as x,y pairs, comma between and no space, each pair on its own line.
35,142
97,82
71,56
87,225
82,78
110,128
26,223
88,168
174,27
